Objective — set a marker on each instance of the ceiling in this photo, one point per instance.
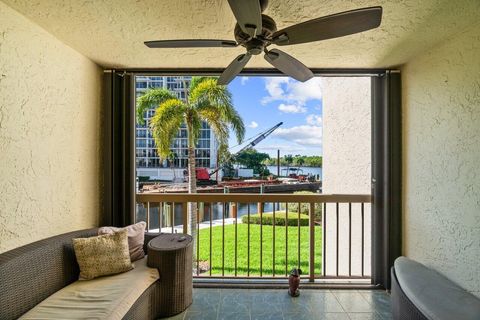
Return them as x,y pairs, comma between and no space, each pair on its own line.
111,32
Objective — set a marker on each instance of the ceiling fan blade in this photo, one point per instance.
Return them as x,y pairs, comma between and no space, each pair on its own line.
190,43
328,27
288,65
234,68
248,14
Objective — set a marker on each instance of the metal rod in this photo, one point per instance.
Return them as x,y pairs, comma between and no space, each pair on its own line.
286,238
311,225
223,239
148,216
298,243
337,264
236,237
198,242
273,241
324,235
172,216
248,240
210,215
160,213
349,238
260,207
185,216
363,231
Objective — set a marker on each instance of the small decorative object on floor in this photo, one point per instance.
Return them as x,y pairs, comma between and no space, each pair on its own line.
294,282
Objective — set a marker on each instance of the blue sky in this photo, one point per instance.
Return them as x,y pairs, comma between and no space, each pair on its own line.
265,101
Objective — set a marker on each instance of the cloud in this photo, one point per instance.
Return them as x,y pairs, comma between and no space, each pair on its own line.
243,80
313,119
304,135
253,125
281,147
291,108
290,91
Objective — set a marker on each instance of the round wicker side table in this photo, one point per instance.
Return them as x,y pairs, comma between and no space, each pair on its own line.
171,254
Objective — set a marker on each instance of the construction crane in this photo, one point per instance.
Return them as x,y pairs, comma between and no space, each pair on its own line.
202,173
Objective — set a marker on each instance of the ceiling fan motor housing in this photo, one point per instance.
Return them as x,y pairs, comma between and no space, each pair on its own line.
257,44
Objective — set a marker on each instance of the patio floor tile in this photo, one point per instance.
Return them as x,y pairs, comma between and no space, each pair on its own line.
258,304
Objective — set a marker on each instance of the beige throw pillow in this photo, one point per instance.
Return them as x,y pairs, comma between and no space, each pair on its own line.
136,237
102,255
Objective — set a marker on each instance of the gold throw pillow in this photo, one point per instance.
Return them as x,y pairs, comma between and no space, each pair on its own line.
136,237
102,255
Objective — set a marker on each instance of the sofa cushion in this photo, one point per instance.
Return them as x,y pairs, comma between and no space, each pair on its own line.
102,298
434,295
102,255
136,237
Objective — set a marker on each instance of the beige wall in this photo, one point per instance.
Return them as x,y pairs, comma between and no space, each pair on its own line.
347,166
50,137
441,116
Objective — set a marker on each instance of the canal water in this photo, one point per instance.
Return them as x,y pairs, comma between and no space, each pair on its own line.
218,209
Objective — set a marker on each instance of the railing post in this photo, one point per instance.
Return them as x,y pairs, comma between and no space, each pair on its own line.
185,217
311,224
148,216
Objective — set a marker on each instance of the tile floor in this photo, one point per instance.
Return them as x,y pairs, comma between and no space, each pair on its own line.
261,304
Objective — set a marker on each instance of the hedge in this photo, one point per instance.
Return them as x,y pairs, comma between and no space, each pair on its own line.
305,207
267,219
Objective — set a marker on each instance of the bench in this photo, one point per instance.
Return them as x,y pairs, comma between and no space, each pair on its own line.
421,293
45,273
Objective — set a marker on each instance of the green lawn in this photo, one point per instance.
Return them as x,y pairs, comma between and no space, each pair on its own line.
267,256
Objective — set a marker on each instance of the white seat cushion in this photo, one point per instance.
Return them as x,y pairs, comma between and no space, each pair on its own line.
434,295
107,297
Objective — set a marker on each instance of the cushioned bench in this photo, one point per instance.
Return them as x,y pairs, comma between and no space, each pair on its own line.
422,293
108,297
36,278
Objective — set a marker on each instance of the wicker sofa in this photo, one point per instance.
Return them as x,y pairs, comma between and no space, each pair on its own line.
31,273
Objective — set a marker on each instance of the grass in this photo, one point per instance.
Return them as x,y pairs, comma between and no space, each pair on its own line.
228,259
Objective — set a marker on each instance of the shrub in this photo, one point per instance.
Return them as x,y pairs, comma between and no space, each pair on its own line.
267,219
305,207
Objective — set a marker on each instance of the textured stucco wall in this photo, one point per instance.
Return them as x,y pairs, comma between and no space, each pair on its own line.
50,98
441,116
347,165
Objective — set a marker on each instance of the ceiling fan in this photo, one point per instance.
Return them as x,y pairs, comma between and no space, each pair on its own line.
256,32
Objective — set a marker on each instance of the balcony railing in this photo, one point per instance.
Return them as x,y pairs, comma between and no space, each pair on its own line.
334,244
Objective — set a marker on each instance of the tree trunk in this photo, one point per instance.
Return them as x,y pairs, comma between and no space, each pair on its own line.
192,188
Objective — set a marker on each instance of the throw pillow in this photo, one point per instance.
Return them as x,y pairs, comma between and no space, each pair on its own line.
136,237
102,255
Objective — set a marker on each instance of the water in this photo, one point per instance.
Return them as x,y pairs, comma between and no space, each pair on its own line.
217,213
306,170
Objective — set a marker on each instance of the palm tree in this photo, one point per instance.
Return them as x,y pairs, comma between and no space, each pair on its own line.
206,101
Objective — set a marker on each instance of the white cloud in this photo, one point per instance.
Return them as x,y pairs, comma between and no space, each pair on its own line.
243,80
253,125
291,108
304,135
282,147
313,119
288,90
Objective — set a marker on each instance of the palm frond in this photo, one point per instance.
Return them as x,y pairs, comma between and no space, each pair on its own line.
210,98
165,124
196,80
151,99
